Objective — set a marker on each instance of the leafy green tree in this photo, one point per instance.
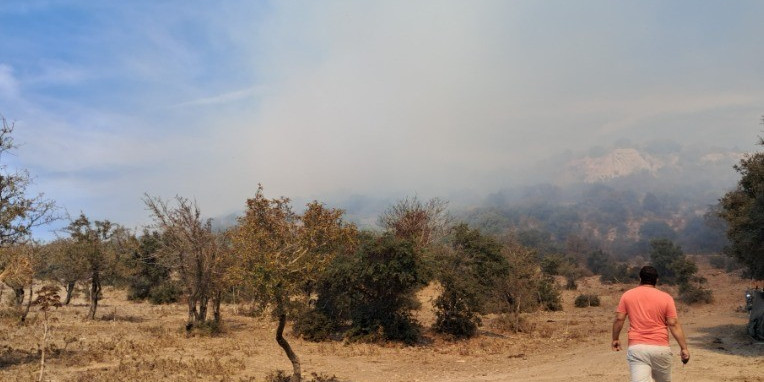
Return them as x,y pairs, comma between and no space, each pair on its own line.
598,260
669,260
469,269
149,277
743,210
282,254
385,273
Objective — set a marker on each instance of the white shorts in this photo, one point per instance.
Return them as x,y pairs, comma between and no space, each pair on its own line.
649,362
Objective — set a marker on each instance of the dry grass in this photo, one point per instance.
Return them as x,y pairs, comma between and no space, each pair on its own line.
142,342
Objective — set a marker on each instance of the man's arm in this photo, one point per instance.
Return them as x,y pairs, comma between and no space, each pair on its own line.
620,318
678,333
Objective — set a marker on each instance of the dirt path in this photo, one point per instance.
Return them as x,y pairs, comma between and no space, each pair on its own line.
719,353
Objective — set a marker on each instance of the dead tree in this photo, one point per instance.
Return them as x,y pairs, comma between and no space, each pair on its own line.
189,247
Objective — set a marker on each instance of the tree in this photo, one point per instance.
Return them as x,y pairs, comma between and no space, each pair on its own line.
669,260
47,297
380,280
420,222
99,244
282,254
190,248
469,269
22,263
65,265
149,278
526,288
598,260
19,213
743,210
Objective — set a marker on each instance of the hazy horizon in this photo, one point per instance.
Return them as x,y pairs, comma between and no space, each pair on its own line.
380,99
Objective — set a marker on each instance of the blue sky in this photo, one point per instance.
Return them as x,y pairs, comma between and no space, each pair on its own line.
207,99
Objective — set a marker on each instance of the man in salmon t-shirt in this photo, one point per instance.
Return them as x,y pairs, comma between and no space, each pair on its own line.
652,314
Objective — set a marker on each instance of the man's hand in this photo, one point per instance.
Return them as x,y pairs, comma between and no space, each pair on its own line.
620,318
676,330
685,354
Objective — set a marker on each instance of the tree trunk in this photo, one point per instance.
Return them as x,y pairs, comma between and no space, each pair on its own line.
29,302
44,340
95,290
192,315
69,292
296,374
216,299
202,309
19,292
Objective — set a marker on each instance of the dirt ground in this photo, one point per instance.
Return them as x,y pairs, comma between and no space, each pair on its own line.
143,342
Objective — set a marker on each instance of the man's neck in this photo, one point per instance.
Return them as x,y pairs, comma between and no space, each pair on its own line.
648,285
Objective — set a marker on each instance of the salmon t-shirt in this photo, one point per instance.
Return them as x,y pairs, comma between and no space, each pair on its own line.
647,309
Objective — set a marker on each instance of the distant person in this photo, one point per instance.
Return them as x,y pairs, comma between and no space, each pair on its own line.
652,314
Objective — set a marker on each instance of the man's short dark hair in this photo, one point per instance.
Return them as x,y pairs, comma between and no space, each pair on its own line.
648,275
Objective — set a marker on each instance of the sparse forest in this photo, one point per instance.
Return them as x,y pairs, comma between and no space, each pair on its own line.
311,269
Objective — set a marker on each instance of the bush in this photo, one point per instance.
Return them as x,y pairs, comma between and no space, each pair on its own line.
671,263
281,376
526,289
549,295
454,317
167,292
597,261
208,328
314,326
586,300
723,262
693,294
718,261
469,270
570,283
147,273
373,289
619,273
513,323
551,264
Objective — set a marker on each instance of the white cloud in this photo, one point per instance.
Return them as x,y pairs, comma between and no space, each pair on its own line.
9,86
228,97
380,97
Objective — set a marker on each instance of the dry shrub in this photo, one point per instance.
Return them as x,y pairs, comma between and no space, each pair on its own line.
281,376
547,330
695,294
575,334
10,315
113,316
193,369
586,300
10,356
513,323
